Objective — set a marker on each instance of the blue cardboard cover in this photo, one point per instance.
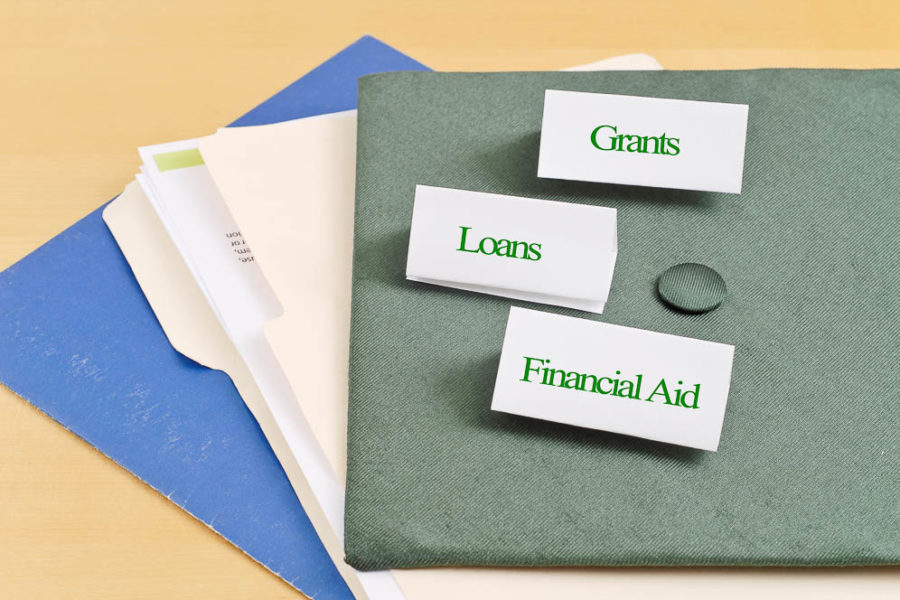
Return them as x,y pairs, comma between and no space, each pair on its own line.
81,343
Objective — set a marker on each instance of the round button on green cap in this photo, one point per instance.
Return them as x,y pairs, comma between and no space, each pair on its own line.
691,287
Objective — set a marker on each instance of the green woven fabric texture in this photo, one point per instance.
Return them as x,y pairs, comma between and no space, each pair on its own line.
808,469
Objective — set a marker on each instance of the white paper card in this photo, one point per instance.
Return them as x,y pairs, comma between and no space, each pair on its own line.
192,211
656,142
632,381
535,250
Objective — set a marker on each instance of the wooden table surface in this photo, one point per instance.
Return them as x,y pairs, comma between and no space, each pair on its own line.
88,81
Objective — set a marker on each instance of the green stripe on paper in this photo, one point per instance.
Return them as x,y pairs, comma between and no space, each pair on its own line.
179,159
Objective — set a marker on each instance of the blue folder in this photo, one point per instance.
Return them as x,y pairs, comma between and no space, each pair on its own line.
81,343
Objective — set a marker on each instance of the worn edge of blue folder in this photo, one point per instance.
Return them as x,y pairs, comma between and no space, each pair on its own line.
83,346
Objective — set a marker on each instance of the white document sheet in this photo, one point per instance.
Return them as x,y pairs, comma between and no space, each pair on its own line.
191,209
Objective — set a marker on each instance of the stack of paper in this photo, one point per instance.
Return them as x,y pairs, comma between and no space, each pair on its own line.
242,243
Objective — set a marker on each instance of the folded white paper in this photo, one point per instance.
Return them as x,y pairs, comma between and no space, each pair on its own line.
535,250
657,142
591,374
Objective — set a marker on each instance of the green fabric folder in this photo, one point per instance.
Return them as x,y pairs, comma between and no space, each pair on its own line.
808,469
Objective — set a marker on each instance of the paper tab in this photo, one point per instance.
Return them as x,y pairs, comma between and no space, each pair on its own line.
632,381
534,250
177,159
656,142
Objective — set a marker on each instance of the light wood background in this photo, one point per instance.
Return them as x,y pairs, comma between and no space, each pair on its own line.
85,82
